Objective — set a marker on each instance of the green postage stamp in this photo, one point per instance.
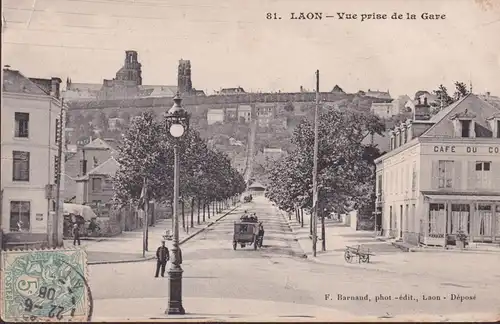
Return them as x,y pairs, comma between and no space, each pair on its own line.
45,286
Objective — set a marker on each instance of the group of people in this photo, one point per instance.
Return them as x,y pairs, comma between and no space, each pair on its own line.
246,217
252,218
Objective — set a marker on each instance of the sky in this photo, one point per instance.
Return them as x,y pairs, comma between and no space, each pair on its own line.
231,43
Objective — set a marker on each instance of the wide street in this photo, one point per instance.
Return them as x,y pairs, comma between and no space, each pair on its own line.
277,282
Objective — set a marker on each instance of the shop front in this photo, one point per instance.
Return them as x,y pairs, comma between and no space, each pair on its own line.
478,217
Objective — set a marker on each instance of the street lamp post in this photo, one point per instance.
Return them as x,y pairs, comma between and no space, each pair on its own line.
177,125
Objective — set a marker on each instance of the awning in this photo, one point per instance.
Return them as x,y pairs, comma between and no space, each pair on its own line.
82,210
463,198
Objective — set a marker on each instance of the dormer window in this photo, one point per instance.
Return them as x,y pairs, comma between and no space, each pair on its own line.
464,124
495,125
465,128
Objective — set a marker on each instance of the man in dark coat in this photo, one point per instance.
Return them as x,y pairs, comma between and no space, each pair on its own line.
162,256
261,233
76,234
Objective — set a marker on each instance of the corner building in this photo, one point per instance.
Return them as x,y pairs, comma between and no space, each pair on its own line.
442,176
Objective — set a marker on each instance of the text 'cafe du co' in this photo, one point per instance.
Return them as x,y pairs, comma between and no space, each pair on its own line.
466,149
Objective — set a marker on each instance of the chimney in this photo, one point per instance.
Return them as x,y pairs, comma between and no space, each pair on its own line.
55,87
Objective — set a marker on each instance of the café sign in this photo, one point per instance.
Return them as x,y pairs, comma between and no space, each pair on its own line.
470,149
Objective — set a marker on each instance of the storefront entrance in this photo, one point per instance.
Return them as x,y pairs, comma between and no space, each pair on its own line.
479,219
483,229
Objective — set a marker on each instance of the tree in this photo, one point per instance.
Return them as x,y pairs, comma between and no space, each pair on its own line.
461,90
345,172
289,107
144,154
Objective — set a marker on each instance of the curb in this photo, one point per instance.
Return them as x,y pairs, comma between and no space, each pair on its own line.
180,243
294,232
184,240
424,250
121,261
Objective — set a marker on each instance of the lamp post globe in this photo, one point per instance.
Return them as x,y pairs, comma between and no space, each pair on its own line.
176,124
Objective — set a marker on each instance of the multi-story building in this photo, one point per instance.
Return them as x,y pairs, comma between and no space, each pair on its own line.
389,109
78,164
442,176
265,113
215,116
30,117
245,113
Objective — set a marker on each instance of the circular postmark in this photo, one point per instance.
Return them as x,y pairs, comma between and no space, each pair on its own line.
45,286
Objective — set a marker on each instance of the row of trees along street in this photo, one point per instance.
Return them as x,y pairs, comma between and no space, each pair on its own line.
207,178
346,170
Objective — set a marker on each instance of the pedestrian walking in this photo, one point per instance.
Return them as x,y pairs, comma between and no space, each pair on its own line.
76,234
162,256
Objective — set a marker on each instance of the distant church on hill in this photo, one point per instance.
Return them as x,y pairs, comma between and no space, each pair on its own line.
128,84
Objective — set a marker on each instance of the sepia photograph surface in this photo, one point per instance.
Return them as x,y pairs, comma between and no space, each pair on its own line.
250,160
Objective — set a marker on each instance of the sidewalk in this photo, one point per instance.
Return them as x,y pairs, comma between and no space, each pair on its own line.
243,310
127,246
389,258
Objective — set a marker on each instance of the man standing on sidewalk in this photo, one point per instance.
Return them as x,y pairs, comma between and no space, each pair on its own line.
162,256
76,234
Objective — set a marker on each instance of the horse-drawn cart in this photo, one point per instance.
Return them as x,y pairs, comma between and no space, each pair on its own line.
246,233
359,252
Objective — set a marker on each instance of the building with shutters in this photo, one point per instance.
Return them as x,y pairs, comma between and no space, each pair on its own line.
31,111
442,176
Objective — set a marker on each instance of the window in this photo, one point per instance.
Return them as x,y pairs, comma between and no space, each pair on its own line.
465,128
498,128
96,184
380,185
414,178
445,174
83,166
483,175
437,214
20,216
20,166
22,124
56,131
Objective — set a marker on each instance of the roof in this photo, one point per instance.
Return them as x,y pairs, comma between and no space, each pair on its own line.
256,185
98,144
84,86
15,82
470,104
382,142
107,168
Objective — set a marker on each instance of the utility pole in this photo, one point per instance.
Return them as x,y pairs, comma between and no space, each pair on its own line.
57,214
315,170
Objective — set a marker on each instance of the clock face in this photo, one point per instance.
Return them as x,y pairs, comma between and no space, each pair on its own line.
176,130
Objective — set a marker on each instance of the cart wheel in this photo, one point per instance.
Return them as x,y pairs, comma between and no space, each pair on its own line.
364,258
234,245
348,256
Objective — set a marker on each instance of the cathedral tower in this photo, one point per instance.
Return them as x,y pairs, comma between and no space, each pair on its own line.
184,84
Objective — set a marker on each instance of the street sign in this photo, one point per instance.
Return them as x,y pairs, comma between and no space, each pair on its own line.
50,191
84,141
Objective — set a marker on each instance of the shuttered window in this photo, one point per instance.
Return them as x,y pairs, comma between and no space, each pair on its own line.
445,174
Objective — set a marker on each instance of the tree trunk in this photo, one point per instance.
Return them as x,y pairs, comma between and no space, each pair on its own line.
198,205
172,214
192,212
311,223
323,230
213,208
302,217
208,210
204,208
183,216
